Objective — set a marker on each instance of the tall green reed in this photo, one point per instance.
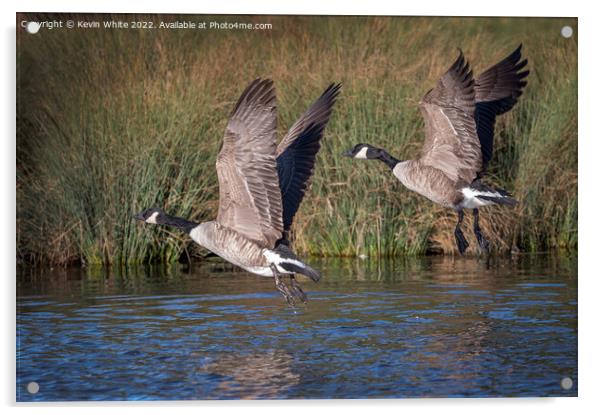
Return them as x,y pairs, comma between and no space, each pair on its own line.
111,122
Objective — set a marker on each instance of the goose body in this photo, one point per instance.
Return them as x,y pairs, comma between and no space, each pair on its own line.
427,181
459,115
261,186
232,246
246,253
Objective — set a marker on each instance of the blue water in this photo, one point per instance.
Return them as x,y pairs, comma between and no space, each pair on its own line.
430,327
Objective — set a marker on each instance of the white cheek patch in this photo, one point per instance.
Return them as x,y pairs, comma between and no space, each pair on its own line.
152,218
362,154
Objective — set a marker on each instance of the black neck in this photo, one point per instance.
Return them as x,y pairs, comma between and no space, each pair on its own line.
180,223
388,159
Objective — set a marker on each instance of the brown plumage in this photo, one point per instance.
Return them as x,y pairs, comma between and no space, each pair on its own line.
250,200
459,117
451,143
460,114
260,186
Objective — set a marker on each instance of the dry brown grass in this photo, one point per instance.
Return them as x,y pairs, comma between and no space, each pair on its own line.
122,120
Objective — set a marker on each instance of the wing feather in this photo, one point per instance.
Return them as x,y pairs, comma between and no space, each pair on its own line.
451,143
297,152
496,91
250,200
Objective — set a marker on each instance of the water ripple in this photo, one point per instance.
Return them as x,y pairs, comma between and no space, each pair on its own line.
511,334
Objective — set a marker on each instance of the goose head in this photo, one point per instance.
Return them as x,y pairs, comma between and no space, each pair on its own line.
369,152
153,215
364,151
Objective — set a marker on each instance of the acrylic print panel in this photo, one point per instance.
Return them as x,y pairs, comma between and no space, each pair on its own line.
120,122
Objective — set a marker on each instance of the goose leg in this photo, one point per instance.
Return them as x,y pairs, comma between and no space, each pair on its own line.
297,291
460,239
483,242
281,286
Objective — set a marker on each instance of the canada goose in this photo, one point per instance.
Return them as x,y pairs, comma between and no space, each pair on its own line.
261,186
459,115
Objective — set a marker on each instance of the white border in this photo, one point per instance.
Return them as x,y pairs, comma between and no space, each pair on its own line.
590,139
338,7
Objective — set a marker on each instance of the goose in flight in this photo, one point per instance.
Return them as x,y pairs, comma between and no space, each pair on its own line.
261,186
459,115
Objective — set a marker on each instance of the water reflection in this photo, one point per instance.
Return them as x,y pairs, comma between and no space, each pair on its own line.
416,327
257,375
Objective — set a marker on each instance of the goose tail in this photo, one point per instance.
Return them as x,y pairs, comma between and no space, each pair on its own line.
299,267
287,261
480,194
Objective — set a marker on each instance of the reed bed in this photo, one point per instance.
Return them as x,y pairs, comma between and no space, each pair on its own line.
113,121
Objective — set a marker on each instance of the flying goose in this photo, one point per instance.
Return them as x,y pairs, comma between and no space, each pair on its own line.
459,115
261,186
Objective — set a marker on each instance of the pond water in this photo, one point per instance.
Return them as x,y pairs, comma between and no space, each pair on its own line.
424,327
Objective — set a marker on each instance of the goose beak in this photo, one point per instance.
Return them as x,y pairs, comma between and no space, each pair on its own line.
138,216
348,153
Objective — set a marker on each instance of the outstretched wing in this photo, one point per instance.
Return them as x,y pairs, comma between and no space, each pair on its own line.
451,143
496,91
250,200
297,153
